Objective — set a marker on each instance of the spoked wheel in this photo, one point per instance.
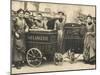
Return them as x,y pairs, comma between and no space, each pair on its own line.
34,57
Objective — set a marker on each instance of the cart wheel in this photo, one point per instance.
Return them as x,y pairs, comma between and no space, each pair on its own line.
34,57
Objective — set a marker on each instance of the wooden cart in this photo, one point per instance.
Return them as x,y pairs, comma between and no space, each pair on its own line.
74,37
39,44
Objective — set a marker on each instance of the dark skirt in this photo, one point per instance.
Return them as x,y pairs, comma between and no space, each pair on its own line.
89,48
19,49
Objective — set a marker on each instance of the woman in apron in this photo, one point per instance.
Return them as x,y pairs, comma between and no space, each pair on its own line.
89,52
59,23
19,42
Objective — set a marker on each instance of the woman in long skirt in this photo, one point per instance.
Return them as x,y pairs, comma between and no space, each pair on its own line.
19,41
59,24
89,52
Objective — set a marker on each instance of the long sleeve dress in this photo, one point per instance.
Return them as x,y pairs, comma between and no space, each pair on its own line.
59,27
19,42
89,43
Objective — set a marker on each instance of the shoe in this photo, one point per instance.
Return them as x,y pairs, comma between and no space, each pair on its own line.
18,65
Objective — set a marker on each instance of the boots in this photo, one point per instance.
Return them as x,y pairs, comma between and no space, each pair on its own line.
18,65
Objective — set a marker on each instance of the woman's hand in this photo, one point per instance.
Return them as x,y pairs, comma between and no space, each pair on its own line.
88,33
26,29
17,35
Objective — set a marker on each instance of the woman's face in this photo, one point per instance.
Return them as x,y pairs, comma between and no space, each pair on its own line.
89,20
26,15
45,19
21,14
39,17
60,15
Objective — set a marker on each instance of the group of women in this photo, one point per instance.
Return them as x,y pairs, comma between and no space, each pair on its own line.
22,22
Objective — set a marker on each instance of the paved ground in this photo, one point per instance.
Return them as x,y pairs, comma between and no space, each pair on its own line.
52,67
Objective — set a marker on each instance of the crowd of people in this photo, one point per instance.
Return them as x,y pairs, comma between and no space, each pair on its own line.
38,21
23,21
